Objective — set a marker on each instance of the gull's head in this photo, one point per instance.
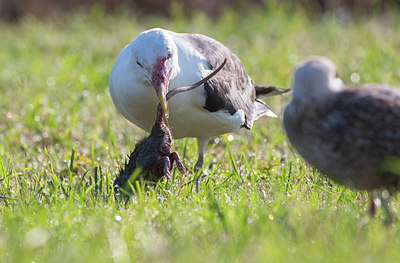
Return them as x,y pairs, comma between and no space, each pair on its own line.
155,56
314,79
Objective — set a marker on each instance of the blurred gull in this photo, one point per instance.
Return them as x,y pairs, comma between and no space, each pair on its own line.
350,134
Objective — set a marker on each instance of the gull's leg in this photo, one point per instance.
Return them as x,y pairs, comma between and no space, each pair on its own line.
384,197
198,167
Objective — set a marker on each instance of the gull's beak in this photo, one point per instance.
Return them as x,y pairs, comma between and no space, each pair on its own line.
163,101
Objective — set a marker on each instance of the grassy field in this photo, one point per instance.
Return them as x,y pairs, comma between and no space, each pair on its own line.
62,143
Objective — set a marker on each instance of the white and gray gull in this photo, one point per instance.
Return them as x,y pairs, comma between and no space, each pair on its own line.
159,60
351,134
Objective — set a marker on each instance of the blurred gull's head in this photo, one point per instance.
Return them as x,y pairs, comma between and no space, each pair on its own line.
314,79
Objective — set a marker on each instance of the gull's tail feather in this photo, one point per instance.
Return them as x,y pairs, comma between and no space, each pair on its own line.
262,109
264,91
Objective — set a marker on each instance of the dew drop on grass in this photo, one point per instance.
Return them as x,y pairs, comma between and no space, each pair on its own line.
385,194
271,216
117,218
355,77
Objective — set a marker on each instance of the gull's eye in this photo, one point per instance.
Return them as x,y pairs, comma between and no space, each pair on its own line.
169,55
137,62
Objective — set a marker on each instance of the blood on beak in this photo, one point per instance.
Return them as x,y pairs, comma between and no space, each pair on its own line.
160,81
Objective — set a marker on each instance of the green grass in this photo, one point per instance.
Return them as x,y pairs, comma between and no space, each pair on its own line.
62,143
